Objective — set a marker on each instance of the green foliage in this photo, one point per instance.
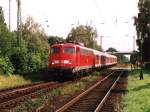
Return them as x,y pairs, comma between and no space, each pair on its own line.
6,46
33,54
6,66
31,104
3,27
142,23
7,39
35,62
31,57
137,98
19,61
55,39
85,34
111,50
134,57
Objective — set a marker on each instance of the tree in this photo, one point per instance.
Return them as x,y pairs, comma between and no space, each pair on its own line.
34,48
85,34
134,58
111,50
3,27
7,41
142,23
55,39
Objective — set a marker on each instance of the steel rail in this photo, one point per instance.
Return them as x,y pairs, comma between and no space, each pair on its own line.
12,100
24,90
25,96
21,86
107,94
70,103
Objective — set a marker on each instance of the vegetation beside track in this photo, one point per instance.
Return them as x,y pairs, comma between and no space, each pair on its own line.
7,81
13,80
67,89
137,98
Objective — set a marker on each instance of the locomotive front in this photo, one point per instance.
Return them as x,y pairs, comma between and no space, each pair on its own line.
62,58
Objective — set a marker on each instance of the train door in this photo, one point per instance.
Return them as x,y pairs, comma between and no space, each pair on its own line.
96,60
77,56
103,60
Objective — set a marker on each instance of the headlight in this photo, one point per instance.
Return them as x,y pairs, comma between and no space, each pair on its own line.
61,61
55,62
67,62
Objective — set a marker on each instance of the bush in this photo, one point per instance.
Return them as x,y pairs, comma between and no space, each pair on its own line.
35,62
19,60
26,63
6,66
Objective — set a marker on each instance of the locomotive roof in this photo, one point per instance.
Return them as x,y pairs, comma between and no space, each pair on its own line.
65,44
81,46
73,45
98,52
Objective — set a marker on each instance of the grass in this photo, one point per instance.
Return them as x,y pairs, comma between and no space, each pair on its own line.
138,97
75,87
7,81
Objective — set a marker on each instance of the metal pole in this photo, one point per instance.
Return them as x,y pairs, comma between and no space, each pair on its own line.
133,43
101,40
101,37
9,14
19,32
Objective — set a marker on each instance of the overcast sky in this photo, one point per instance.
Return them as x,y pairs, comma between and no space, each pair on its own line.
112,18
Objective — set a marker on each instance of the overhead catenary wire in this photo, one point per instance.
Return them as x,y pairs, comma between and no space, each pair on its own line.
40,13
10,13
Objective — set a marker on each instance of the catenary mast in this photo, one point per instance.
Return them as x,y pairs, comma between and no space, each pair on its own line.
19,33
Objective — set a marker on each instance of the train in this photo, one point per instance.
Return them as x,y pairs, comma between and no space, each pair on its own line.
75,58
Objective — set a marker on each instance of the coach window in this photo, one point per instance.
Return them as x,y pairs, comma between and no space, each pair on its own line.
69,50
97,57
55,50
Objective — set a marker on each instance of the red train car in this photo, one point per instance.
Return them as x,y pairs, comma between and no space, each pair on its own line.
74,58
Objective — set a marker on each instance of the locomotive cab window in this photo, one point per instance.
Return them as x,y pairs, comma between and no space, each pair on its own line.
55,50
69,50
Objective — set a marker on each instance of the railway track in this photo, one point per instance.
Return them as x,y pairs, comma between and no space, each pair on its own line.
9,98
21,86
93,99
114,99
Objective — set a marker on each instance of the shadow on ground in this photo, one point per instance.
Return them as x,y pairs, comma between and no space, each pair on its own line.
146,86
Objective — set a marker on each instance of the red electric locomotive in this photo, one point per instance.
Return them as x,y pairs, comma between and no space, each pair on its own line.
74,58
